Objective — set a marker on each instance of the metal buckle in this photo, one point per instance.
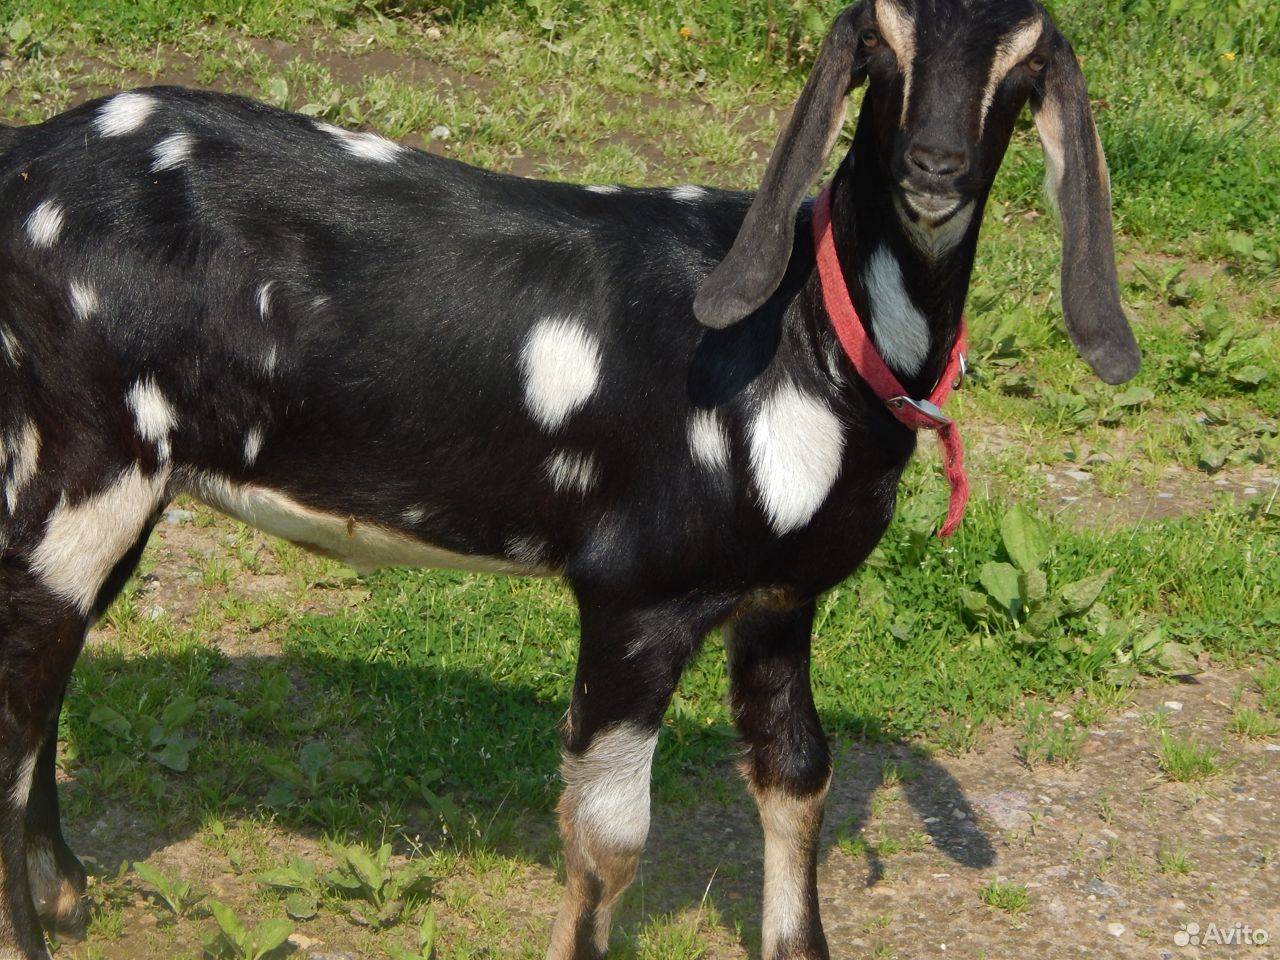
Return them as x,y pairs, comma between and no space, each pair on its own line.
962,372
922,407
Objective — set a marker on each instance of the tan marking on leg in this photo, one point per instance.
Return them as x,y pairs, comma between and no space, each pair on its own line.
791,826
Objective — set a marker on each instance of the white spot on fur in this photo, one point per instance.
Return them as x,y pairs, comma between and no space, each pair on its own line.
414,515
708,440
901,331
44,226
367,146
264,298
8,343
529,551
688,193
82,543
607,787
358,543
561,363
22,784
171,152
605,188
84,299
252,446
571,472
123,113
796,445
23,455
271,359
152,414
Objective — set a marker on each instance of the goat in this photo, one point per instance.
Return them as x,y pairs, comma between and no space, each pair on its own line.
394,358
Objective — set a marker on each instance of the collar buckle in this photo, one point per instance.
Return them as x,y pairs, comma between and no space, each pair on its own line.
935,417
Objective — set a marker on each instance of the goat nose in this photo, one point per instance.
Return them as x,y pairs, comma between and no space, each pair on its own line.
938,161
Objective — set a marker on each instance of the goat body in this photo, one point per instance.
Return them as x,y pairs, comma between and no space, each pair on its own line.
395,358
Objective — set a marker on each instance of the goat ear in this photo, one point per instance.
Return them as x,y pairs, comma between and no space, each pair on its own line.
757,261
1081,188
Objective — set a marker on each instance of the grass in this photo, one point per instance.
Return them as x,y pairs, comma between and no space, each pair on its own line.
361,725
1011,898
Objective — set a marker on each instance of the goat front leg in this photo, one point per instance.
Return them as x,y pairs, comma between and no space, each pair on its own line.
788,768
628,665
56,876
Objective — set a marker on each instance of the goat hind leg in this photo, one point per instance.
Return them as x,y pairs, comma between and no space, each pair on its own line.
787,767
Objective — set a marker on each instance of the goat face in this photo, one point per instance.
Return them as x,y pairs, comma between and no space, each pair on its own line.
947,81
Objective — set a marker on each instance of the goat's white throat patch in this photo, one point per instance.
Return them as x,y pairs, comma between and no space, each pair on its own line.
796,446
900,329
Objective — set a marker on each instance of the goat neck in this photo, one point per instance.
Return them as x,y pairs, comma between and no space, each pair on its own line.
907,281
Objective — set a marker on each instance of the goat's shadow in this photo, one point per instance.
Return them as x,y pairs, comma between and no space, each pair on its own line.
434,744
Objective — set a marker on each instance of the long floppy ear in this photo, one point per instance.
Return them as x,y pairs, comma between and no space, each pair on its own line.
1081,188
757,261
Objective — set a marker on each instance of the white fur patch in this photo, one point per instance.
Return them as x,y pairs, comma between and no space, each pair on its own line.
571,472
796,446
688,193
21,789
529,551
607,787
173,151
605,188
264,298
899,31
44,226
271,359
708,440
152,414
9,343
357,543
367,146
123,113
252,445
901,330
84,299
561,364
82,543
23,454
414,515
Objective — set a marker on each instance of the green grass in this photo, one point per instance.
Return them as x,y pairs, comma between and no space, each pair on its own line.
1012,898
1184,760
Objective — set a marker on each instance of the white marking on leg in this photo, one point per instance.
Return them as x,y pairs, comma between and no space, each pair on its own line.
171,152
605,188
252,445
607,787
901,331
796,445
561,364
708,440
21,788
367,146
24,457
899,31
1011,51
571,472
84,299
123,113
689,193
358,543
44,226
790,833
82,543
152,414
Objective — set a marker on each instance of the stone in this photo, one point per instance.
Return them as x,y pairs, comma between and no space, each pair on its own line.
1103,889
1115,929
179,516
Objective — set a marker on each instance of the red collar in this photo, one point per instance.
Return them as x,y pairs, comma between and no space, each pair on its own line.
913,414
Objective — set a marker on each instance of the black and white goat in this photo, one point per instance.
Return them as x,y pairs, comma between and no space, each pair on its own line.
398,359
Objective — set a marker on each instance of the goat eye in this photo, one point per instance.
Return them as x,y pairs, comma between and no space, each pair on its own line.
1036,63
870,39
